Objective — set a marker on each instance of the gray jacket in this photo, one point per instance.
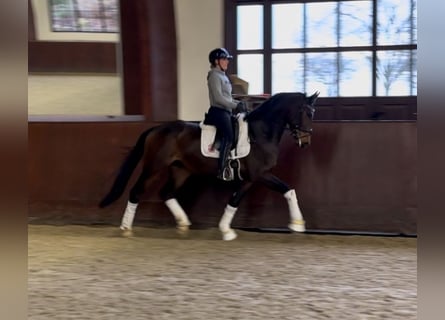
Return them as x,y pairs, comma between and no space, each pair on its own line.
220,90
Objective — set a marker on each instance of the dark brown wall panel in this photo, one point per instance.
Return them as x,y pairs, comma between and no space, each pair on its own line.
354,177
50,56
367,108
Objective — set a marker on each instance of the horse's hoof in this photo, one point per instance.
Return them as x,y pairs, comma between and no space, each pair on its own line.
127,233
297,226
182,230
229,235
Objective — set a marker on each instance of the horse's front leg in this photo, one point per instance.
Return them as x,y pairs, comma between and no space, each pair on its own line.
182,221
176,178
297,223
224,225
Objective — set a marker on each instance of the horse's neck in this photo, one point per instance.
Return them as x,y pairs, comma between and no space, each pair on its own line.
268,128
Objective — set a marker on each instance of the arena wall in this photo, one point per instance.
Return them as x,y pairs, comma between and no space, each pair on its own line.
356,176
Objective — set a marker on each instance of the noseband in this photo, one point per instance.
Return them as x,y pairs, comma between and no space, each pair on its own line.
299,133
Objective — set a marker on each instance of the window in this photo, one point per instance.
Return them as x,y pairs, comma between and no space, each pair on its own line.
348,48
84,16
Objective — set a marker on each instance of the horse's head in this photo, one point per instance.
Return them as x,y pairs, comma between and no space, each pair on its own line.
300,123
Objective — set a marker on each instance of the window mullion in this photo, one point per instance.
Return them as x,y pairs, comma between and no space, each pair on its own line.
338,45
411,60
77,15
267,53
103,22
304,46
374,49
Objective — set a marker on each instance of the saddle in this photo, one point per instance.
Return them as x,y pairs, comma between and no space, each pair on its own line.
210,139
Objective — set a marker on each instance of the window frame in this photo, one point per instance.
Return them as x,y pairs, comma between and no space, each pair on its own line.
230,38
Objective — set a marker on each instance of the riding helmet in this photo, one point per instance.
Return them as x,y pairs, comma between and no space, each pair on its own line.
219,53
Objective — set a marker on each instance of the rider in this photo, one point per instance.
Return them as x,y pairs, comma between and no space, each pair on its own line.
221,106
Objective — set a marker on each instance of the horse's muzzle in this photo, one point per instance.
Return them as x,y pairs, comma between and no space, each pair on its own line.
302,138
304,141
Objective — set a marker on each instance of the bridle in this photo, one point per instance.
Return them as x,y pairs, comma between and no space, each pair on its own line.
298,132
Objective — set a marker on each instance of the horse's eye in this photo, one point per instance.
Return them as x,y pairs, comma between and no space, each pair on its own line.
310,114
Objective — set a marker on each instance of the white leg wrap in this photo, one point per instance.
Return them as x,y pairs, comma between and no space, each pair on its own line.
127,219
177,211
297,222
224,223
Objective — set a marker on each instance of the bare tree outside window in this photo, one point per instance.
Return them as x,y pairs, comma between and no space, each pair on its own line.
395,25
393,73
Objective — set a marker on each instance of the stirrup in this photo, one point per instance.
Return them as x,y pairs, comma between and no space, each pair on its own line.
235,167
226,175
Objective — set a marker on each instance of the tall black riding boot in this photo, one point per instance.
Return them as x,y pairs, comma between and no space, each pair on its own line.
224,172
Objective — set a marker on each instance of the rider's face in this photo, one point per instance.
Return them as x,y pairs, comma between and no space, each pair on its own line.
223,63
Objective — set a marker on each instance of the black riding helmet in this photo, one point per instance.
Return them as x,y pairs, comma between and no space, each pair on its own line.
219,53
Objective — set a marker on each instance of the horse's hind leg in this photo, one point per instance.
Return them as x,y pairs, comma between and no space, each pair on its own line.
176,178
297,223
230,210
132,204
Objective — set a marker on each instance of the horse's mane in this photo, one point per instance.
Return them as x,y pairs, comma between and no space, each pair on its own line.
270,103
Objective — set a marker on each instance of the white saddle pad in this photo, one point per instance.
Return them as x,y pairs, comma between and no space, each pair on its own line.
208,137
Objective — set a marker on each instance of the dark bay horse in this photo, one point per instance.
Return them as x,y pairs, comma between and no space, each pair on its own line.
172,150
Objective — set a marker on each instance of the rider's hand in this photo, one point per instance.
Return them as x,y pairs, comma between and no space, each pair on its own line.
241,107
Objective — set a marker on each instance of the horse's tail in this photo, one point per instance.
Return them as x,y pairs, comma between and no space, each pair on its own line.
126,171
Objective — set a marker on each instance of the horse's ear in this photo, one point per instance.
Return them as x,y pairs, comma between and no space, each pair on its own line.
311,100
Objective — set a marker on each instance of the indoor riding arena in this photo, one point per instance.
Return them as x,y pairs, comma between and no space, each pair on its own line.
96,84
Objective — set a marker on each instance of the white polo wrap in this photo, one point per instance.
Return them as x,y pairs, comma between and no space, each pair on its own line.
177,211
127,219
292,202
